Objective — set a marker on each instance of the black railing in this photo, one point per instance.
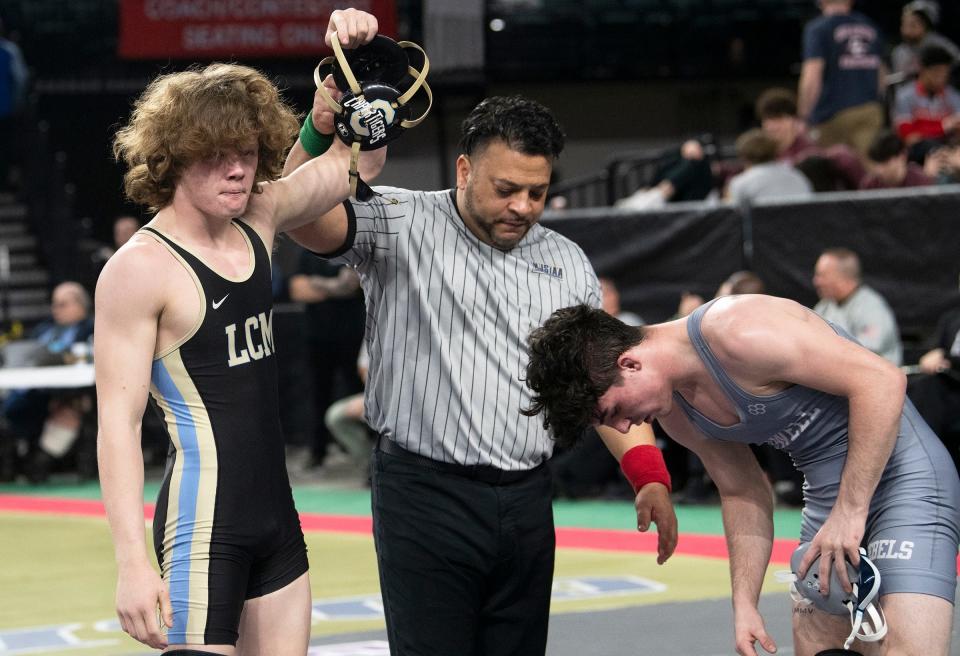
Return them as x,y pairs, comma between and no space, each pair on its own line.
625,173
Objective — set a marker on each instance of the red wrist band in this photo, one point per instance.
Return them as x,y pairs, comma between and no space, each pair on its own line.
644,464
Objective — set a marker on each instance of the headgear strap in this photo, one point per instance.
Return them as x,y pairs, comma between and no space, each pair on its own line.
372,113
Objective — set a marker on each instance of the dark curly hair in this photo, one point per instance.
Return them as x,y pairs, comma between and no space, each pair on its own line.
573,362
184,117
525,125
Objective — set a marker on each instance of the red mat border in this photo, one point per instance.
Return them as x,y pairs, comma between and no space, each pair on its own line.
710,546
689,544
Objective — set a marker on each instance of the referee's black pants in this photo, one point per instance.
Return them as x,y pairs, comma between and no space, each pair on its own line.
466,566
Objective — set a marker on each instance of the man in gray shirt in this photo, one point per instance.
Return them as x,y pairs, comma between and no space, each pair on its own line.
855,307
766,176
455,280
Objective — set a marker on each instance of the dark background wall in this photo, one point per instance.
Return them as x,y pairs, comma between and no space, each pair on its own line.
621,74
906,239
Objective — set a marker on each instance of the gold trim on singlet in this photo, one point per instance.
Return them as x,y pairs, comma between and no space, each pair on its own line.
196,281
250,252
269,251
203,457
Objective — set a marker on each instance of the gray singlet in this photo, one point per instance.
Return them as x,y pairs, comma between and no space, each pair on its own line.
913,526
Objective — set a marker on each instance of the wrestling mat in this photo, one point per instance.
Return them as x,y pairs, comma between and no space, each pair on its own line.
610,598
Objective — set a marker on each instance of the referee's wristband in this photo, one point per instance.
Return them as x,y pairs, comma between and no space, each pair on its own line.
644,464
313,142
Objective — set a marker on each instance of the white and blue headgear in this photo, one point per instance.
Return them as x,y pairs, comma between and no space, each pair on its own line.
378,82
866,618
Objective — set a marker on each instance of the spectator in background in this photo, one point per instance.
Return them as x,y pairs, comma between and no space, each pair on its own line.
765,176
742,282
124,227
854,306
739,282
13,86
776,109
916,29
936,391
683,175
335,318
48,421
610,302
842,76
943,165
822,174
927,113
888,167
345,421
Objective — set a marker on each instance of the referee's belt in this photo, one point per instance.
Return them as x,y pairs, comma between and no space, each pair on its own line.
482,473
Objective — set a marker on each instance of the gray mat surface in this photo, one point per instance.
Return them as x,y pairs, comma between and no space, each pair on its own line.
699,628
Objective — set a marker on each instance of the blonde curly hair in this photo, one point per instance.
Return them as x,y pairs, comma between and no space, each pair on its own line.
185,117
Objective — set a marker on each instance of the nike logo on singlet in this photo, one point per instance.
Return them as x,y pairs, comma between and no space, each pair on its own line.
217,304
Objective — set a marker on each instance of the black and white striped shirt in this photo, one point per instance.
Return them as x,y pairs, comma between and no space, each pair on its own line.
447,322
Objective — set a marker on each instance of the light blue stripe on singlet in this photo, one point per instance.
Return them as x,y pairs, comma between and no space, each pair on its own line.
187,502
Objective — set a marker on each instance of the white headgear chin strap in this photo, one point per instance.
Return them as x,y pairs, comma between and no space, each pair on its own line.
866,618
420,81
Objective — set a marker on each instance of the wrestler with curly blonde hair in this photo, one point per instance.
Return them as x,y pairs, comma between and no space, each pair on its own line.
183,117
184,314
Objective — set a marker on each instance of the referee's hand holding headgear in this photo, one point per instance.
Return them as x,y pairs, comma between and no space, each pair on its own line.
369,88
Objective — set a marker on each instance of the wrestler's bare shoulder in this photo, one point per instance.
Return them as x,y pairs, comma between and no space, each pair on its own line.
738,326
141,269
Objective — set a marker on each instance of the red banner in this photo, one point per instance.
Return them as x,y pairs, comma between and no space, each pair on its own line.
207,29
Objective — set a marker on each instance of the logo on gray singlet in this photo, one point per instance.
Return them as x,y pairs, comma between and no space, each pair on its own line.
887,549
788,435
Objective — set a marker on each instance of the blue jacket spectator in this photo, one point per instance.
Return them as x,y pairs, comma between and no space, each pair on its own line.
842,76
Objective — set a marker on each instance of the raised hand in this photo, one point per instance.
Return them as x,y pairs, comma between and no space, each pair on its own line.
353,27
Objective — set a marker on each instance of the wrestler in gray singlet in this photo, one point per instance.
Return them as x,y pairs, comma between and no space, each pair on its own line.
913,527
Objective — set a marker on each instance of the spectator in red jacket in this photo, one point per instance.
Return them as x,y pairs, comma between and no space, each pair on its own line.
927,112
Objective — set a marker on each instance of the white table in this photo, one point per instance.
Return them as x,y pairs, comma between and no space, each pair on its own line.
64,376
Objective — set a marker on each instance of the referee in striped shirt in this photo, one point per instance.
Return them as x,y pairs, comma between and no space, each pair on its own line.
455,280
